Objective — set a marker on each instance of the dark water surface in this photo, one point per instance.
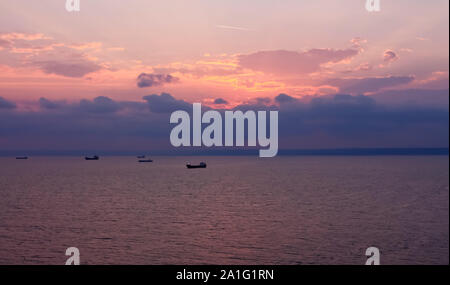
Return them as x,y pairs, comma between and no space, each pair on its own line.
239,210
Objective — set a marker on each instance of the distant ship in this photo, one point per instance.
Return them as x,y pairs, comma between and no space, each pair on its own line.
140,156
145,160
201,165
95,157
22,157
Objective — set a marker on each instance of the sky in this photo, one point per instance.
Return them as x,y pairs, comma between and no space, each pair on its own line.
108,76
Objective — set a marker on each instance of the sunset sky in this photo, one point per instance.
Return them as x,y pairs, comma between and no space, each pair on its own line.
348,77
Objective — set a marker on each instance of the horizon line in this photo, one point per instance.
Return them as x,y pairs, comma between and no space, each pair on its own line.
234,152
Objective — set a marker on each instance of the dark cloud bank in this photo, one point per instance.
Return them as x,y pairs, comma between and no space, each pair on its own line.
6,104
338,121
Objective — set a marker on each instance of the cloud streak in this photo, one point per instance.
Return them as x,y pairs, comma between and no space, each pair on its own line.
220,101
165,103
232,28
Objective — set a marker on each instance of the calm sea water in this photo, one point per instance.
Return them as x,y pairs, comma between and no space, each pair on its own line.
240,210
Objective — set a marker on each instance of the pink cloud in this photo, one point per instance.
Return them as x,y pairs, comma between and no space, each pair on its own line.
49,55
292,62
78,68
4,43
358,42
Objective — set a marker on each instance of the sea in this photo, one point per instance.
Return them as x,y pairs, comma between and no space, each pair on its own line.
287,210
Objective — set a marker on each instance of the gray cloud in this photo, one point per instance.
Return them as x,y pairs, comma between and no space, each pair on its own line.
438,98
219,101
151,80
369,84
165,103
47,104
5,104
